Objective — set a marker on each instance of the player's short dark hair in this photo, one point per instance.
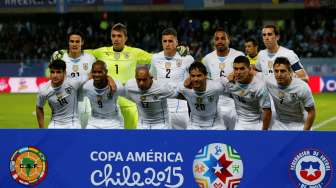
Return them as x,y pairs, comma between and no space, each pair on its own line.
169,31
198,66
252,40
100,62
75,32
242,59
120,27
221,29
282,61
275,29
57,64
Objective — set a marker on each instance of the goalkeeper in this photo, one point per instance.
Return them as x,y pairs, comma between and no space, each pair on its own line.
122,61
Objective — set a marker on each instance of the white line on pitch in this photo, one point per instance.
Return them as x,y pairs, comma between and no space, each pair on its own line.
323,123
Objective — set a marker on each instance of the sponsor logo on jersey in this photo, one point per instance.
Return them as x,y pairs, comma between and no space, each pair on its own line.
28,166
85,66
311,168
218,165
127,55
142,98
211,98
178,62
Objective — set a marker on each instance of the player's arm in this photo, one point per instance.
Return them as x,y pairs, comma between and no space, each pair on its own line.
40,116
310,118
267,115
302,75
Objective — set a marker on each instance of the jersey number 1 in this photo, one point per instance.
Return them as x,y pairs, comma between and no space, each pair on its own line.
117,69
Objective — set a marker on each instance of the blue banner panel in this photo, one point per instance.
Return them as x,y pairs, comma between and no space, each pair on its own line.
26,3
135,158
85,2
329,83
31,69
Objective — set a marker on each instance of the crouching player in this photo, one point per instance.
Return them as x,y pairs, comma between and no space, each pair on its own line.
202,97
61,95
150,97
291,97
105,113
251,97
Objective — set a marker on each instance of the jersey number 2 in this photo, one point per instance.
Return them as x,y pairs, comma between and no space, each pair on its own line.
168,73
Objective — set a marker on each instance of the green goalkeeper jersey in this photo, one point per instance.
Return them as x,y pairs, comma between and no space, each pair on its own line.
121,65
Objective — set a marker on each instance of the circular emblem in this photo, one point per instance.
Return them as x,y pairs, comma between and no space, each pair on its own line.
218,165
28,166
311,168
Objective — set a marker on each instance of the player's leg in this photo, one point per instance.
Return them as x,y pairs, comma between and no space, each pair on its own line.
84,111
129,112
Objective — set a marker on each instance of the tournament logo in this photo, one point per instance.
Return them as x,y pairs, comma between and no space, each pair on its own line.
28,166
311,168
218,165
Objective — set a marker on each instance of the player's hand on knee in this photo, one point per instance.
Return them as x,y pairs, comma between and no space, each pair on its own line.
231,77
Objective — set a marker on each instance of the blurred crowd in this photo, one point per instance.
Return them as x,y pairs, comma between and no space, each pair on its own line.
34,37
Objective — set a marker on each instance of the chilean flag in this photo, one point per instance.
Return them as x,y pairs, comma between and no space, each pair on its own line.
310,171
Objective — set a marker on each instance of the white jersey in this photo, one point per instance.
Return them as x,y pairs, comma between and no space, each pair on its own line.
62,101
152,104
203,105
249,100
266,60
290,101
104,106
80,67
173,70
220,66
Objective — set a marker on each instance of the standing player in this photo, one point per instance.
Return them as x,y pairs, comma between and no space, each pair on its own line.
121,61
170,67
291,97
219,63
203,99
78,67
251,51
251,97
61,95
105,111
266,57
151,98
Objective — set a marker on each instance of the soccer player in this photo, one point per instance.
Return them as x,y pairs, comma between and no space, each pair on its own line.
219,63
78,67
170,67
61,95
291,97
105,111
251,51
151,98
266,57
121,61
251,97
203,99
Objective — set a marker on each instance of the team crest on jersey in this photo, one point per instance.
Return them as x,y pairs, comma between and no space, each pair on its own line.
178,62
311,168
218,165
59,95
155,97
85,66
109,95
294,96
242,93
221,66
127,55
68,90
117,55
199,100
281,95
167,65
142,98
28,166
211,98
99,98
75,68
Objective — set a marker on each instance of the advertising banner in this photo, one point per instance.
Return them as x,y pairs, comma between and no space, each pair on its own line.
26,3
162,158
21,84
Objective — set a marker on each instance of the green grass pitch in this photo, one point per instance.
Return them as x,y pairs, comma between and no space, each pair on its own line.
18,111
